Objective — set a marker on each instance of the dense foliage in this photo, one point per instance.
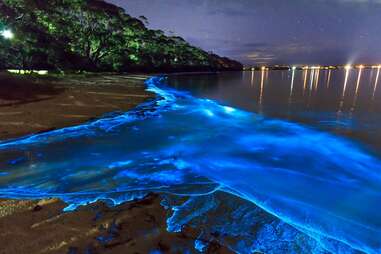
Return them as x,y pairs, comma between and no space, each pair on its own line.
92,35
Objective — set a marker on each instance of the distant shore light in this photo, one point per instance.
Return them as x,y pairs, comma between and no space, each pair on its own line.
7,34
39,72
348,67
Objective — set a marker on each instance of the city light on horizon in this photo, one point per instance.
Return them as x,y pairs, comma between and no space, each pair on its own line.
348,67
312,67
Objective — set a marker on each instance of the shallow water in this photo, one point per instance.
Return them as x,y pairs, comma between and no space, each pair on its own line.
267,184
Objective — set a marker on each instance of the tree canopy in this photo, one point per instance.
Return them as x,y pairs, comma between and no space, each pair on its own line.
93,35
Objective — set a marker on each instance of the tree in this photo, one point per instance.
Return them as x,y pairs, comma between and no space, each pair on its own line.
91,35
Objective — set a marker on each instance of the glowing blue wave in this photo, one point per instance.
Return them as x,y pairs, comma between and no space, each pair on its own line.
325,186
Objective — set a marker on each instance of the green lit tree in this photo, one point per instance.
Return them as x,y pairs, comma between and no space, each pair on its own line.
93,35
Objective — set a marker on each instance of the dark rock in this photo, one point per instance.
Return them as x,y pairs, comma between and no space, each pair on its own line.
37,208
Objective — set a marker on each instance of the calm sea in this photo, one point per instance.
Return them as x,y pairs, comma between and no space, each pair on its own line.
344,102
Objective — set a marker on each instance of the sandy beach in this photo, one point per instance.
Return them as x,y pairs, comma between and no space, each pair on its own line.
31,105
133,227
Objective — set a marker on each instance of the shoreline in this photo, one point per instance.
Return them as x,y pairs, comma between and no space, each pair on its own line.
31,105
46,103
138,226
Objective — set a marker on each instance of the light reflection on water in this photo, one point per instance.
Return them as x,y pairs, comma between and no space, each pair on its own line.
226,161
376,84
345,102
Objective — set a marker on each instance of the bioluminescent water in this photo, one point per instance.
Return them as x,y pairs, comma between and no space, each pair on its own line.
264,184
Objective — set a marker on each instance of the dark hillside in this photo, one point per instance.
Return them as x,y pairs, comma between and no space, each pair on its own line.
92,35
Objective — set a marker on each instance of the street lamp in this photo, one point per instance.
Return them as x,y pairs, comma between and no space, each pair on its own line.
7,34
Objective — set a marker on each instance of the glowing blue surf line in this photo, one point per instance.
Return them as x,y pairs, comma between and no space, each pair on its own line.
326,186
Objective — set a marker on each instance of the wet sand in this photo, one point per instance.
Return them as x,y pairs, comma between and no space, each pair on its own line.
36,104
134,227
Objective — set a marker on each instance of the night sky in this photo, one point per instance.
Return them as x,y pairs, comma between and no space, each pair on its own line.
269,31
